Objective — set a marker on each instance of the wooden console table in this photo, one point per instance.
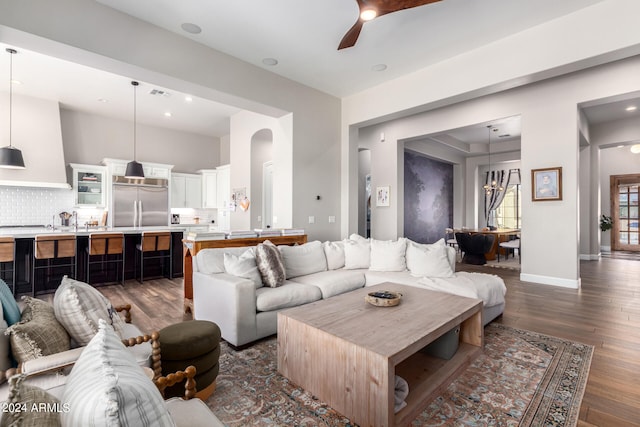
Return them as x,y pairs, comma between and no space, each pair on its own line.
192,247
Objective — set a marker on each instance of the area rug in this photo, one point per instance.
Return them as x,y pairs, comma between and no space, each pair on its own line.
522,378
510,263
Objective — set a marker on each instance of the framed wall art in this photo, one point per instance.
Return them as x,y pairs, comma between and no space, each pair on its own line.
546,184
382,196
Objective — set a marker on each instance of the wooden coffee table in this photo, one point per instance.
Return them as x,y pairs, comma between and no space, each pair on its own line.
347,352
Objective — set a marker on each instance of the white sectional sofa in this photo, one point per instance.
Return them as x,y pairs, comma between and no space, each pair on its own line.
228,286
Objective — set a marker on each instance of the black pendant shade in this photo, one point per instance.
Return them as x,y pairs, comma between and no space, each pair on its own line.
11,158
134,170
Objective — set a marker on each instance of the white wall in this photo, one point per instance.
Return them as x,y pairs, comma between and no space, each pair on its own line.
364,169
550,138
89,138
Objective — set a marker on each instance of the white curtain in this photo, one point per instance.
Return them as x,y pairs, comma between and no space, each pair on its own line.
493,199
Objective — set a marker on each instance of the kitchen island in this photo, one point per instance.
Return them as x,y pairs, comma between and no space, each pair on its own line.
25,236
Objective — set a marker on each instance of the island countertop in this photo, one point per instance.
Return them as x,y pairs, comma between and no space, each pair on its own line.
30,232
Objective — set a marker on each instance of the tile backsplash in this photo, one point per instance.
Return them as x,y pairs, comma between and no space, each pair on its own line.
39,206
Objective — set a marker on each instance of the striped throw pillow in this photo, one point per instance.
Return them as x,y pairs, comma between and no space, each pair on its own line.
106,387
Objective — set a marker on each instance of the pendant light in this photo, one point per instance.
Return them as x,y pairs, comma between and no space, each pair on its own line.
134,169
10,156
493,184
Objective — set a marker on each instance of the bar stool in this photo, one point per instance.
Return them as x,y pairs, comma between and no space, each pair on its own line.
59,250
106,249
8,256
154,245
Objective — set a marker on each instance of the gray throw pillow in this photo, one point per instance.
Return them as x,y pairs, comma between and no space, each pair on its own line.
270,265
30,406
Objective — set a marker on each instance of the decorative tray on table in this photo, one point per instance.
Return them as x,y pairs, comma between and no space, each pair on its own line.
383,298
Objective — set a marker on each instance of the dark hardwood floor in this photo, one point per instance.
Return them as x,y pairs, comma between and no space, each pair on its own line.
605,313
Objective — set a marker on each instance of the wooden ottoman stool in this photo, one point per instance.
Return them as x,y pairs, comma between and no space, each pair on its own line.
194,342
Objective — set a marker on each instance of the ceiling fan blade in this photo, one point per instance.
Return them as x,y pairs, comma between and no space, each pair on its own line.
351,36
388,6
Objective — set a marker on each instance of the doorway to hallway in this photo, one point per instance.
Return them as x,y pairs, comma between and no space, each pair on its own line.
624,210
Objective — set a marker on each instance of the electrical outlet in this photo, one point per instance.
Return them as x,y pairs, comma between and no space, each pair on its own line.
312,220
275,219
332,219
259,219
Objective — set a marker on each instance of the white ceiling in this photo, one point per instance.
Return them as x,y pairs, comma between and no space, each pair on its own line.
303,36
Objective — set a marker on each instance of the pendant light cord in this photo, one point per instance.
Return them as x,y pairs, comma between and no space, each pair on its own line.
11,52
135,109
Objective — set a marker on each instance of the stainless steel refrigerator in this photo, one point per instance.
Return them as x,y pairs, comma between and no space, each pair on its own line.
140,203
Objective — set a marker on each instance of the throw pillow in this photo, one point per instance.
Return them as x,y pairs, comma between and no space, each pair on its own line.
270,265
79,306
334,252
38,333
357,253
107,387
428,260
300,260
387,255
243,266
10,309
23,406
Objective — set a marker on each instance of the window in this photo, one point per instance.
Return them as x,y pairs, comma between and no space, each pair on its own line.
627,213
508,213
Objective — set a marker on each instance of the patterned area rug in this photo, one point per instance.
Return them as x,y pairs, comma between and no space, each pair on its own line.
522,378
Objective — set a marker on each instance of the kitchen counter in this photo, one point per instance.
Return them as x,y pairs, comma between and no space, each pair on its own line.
29,232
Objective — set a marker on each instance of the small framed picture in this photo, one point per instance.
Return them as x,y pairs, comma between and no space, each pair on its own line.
546,184
382,196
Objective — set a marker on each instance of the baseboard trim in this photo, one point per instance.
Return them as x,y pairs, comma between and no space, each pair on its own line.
590,257
548,280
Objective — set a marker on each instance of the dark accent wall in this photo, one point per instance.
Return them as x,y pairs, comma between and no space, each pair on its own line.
428,197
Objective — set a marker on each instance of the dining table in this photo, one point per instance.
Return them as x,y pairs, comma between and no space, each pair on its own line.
502,234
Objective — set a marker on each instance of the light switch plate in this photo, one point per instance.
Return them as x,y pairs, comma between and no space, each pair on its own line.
312,220
332,219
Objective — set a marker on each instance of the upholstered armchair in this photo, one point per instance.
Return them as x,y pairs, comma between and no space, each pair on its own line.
106,383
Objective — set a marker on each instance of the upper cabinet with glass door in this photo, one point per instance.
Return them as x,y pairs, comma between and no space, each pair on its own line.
89,185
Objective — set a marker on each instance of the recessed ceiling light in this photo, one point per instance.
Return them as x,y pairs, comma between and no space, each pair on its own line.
191,28
16,82
103,100
270,61
379,67
635,149
631,108
620,146
167,114
368,14
188,98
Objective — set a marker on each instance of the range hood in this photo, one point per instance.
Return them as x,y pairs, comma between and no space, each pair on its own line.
37,131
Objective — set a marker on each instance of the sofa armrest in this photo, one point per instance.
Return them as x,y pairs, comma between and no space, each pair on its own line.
51,363
230,302
188,375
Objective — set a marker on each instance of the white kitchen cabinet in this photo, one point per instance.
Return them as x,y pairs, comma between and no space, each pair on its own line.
118,167
89,185
186,190
209,188
223,195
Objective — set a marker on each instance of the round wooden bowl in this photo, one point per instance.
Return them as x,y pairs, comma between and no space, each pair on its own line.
372,299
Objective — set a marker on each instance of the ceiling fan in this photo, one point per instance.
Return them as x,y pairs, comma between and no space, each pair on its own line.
370,9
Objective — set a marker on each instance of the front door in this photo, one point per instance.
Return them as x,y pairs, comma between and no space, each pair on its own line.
624,210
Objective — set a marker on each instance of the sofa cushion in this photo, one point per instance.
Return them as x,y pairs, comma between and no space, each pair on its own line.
430,260
243,266
10,309
290,294
334,282
357,252
211,261
107,387
387,255
23,405
38,333
270,265
334,252
401,277
300,260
